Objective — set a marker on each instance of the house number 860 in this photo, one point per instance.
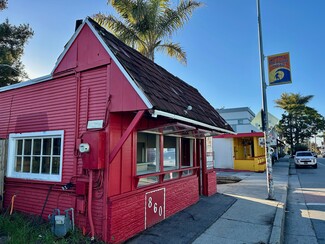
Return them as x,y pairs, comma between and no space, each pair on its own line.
160,209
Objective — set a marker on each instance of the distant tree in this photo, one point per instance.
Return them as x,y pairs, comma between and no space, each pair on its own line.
148,25
3,4
12,42
301,147
299,122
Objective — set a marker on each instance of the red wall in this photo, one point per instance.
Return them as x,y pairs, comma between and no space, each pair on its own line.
127,213
54,105
211,177
87,86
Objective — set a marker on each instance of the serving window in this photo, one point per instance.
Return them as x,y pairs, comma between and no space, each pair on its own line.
163,157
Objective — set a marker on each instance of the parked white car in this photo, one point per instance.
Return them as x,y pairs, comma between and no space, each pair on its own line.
305,158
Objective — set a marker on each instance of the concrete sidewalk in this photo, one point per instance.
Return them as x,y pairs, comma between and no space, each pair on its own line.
252,218
238,213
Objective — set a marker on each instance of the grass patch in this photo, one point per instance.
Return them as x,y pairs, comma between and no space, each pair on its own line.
22,228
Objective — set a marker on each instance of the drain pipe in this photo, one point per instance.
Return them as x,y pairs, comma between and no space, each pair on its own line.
90,215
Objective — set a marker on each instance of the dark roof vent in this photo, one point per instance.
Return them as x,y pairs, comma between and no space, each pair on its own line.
78,23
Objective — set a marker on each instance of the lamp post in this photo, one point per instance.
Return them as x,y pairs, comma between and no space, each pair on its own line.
265,121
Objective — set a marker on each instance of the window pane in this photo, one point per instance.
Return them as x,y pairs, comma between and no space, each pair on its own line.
55,165
46,165
147,181
26,164
187,152
36,164
171,175
37,147
170,153
56,146
47,146
187,172
18,164
19,147
28,147
147,153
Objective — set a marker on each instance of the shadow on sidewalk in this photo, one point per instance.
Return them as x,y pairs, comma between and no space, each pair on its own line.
187,225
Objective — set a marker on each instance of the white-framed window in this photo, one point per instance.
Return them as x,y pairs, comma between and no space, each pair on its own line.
36,155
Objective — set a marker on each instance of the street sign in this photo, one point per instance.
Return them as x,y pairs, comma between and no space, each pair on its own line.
279,69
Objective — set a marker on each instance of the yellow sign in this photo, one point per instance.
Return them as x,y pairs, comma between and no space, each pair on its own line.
279,69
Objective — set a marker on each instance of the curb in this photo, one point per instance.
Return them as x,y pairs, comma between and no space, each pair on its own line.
277,233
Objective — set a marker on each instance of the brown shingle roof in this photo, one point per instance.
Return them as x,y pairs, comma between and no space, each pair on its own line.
165,91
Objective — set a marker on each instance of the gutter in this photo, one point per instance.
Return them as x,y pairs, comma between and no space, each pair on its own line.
192,121
26,83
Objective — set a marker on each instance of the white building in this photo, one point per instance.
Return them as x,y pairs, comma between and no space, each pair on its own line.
246,124
239,119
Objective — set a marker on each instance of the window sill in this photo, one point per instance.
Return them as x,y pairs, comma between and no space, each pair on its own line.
161,175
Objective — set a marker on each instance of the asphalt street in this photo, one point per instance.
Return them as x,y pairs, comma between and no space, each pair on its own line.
305,216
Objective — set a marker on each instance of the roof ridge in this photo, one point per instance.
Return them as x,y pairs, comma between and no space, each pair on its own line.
134,50
165,91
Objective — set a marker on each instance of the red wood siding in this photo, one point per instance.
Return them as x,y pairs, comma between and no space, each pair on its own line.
31,198
124,97
93,96
52,105
46,106
120,173
86,51
127,214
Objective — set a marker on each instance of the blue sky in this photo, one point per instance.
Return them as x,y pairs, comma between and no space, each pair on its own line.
220,40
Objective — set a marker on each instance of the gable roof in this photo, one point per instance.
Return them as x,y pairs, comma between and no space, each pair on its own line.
162,92
167,94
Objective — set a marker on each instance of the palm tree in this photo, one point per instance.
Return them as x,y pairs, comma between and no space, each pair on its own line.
148,25
292,102
299,121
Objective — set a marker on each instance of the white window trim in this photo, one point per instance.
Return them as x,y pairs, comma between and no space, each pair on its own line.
30,176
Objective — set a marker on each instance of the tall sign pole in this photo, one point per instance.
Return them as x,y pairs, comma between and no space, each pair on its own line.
265,121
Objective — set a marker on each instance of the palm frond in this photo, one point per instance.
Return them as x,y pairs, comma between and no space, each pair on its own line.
173,50
173,20
292,102
119,29
130,10
145,24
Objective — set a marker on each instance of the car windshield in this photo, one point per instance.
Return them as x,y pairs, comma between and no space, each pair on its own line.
304,154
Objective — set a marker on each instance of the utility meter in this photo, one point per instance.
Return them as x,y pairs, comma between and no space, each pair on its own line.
84,148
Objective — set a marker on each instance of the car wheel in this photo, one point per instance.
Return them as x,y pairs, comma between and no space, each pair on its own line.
315,166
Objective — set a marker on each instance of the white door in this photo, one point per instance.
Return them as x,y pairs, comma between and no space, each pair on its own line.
223,153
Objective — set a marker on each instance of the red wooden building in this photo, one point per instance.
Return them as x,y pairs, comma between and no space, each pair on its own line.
127,134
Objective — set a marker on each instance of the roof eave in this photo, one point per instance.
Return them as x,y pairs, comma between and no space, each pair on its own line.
156,113
26,83
120,66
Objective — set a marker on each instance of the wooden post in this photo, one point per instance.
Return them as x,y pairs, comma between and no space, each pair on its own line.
3,160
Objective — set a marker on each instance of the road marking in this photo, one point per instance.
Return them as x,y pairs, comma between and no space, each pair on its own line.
313,204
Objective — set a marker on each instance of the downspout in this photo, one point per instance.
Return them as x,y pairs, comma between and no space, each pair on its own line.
76,129
90,215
